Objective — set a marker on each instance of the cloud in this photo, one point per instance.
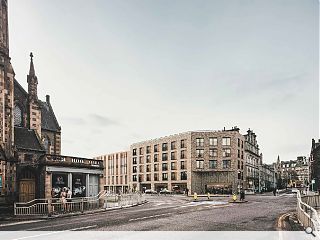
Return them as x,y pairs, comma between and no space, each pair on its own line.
102,120
74,120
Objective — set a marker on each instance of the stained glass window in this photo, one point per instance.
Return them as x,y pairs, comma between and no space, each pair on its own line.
17,116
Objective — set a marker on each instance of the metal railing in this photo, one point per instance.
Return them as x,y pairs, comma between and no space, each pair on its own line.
306,213
123,200
52,206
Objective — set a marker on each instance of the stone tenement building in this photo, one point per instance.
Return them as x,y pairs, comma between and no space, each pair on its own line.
116,172
315,164
293,173
31,165
253,161
200,161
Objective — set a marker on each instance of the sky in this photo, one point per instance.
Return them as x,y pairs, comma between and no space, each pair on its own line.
124,71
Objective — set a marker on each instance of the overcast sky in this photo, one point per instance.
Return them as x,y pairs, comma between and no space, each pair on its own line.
124,71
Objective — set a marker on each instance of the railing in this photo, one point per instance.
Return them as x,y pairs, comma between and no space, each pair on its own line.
55,206
306,213
49,158
125,200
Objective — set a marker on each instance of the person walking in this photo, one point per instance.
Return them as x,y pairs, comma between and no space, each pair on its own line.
69,196
242,195
63,199
274,192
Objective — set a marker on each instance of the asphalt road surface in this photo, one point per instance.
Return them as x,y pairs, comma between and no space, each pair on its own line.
174,213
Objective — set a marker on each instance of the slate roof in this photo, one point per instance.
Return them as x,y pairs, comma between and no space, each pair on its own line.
26,139
48,119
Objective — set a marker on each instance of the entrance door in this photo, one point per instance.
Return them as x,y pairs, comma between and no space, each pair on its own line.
93,185
27,190
27,186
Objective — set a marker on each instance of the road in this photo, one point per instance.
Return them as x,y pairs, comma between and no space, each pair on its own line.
174,213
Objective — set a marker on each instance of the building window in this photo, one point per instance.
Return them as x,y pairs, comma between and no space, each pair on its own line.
173,176
156,177
141,168
238,153
17,114
140,178
156,167
140,160
183,175
164,146
173,156
199,153
226,141
164,176
241,154
182,143
148,149
238,142
173,166
200,142
156,157
148,177
213,164
148,158
164,156
134,178
134,169
46,144
173,145
200,164
141,151
213,141
183,154
226,164
213,152
164,167
148,168
134,160
156,148
226,152
182,165
134,152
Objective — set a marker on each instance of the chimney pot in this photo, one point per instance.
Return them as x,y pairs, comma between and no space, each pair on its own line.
47,98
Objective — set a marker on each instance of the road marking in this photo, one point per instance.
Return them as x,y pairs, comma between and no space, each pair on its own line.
82,228
48,226
38,235
17,223
148,217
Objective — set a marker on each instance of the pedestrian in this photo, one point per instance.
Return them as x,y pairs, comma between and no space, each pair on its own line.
69,196
63,199
187,191
242,195
274,191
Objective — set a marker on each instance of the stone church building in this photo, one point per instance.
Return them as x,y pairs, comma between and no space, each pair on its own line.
31,164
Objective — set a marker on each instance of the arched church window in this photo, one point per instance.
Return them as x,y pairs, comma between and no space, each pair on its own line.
17,116
46,143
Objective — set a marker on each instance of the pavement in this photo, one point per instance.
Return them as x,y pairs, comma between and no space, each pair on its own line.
175,213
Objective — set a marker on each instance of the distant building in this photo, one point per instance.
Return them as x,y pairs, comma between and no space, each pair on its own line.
116,171
315,164
253,161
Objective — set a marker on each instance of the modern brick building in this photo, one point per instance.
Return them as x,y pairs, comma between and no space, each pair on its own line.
200,161
116,171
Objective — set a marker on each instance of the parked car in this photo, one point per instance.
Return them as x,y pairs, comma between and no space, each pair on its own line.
150,191
249,191
165,191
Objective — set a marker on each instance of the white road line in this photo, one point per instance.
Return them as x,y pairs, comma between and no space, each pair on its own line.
51,226
147,217
82,228
38,235
17,223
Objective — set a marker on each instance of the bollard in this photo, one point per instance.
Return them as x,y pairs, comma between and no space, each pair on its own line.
50,207
82,205
208,196
195,196
234,197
